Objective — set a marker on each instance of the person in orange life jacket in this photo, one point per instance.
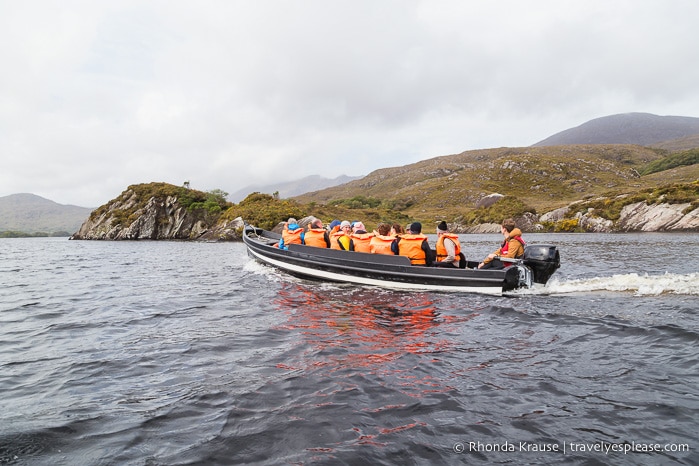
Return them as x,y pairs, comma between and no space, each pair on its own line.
333,227
316,236
414,245
340,239
359,238
512,247
291,234
448,247
381,242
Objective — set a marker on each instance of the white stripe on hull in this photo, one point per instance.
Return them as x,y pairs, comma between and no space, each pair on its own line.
339,277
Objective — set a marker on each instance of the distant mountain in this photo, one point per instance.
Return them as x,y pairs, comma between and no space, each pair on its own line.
628,128
30,213
293,188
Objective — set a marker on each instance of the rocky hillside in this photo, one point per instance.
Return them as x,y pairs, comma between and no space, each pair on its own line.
542,178
30,213
628,128
479,187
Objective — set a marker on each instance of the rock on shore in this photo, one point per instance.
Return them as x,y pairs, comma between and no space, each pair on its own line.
659,217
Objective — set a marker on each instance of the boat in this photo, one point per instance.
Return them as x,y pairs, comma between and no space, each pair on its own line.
540,261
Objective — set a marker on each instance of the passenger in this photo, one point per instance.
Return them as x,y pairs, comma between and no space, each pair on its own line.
334,226
316,235
512,247
414,245
291,234
340,239
397,229
359,238
381,241
448,247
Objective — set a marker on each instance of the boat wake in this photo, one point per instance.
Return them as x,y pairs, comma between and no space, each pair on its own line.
639,285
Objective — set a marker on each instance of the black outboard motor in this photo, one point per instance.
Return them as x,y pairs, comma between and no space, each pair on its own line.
543,259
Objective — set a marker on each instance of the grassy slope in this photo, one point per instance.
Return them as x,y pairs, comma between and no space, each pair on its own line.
544,178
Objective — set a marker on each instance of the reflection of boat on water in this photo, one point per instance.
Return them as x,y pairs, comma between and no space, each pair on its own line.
362,327
539,263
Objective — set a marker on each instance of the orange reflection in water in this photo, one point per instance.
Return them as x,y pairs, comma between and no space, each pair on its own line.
367,329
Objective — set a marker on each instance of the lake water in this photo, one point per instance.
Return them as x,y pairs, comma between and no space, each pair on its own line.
190,353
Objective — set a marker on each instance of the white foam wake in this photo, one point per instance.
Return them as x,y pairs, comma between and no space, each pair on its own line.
641,285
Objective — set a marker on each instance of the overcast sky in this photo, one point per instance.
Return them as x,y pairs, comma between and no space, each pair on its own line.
97,95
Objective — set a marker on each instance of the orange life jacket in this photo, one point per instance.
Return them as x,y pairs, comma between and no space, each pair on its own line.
360,241
315,237
335,239
442,251
411,246
292,237
380,244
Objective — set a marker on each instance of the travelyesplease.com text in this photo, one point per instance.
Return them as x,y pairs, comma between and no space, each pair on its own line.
570,447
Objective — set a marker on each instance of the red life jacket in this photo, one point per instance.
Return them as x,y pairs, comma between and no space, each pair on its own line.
505,248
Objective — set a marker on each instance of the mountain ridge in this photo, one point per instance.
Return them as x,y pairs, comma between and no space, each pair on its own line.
644,129
29,213
294,187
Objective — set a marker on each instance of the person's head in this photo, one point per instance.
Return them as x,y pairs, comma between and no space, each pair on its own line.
415,228
383,229
358,226
334,223
397,229
346,227
316,223
291,220
508,225
442,227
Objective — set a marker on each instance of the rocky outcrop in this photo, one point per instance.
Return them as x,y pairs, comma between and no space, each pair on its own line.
633,217
481,228
487,201
160,218
658,217
226,230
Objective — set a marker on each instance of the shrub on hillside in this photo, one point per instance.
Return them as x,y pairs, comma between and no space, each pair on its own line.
679,159
265,211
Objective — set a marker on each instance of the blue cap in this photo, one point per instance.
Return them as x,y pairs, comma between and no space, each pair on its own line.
334,223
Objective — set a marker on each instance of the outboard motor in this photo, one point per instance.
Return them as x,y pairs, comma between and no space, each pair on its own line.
543,259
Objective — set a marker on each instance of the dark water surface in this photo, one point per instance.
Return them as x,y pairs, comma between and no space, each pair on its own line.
189,353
